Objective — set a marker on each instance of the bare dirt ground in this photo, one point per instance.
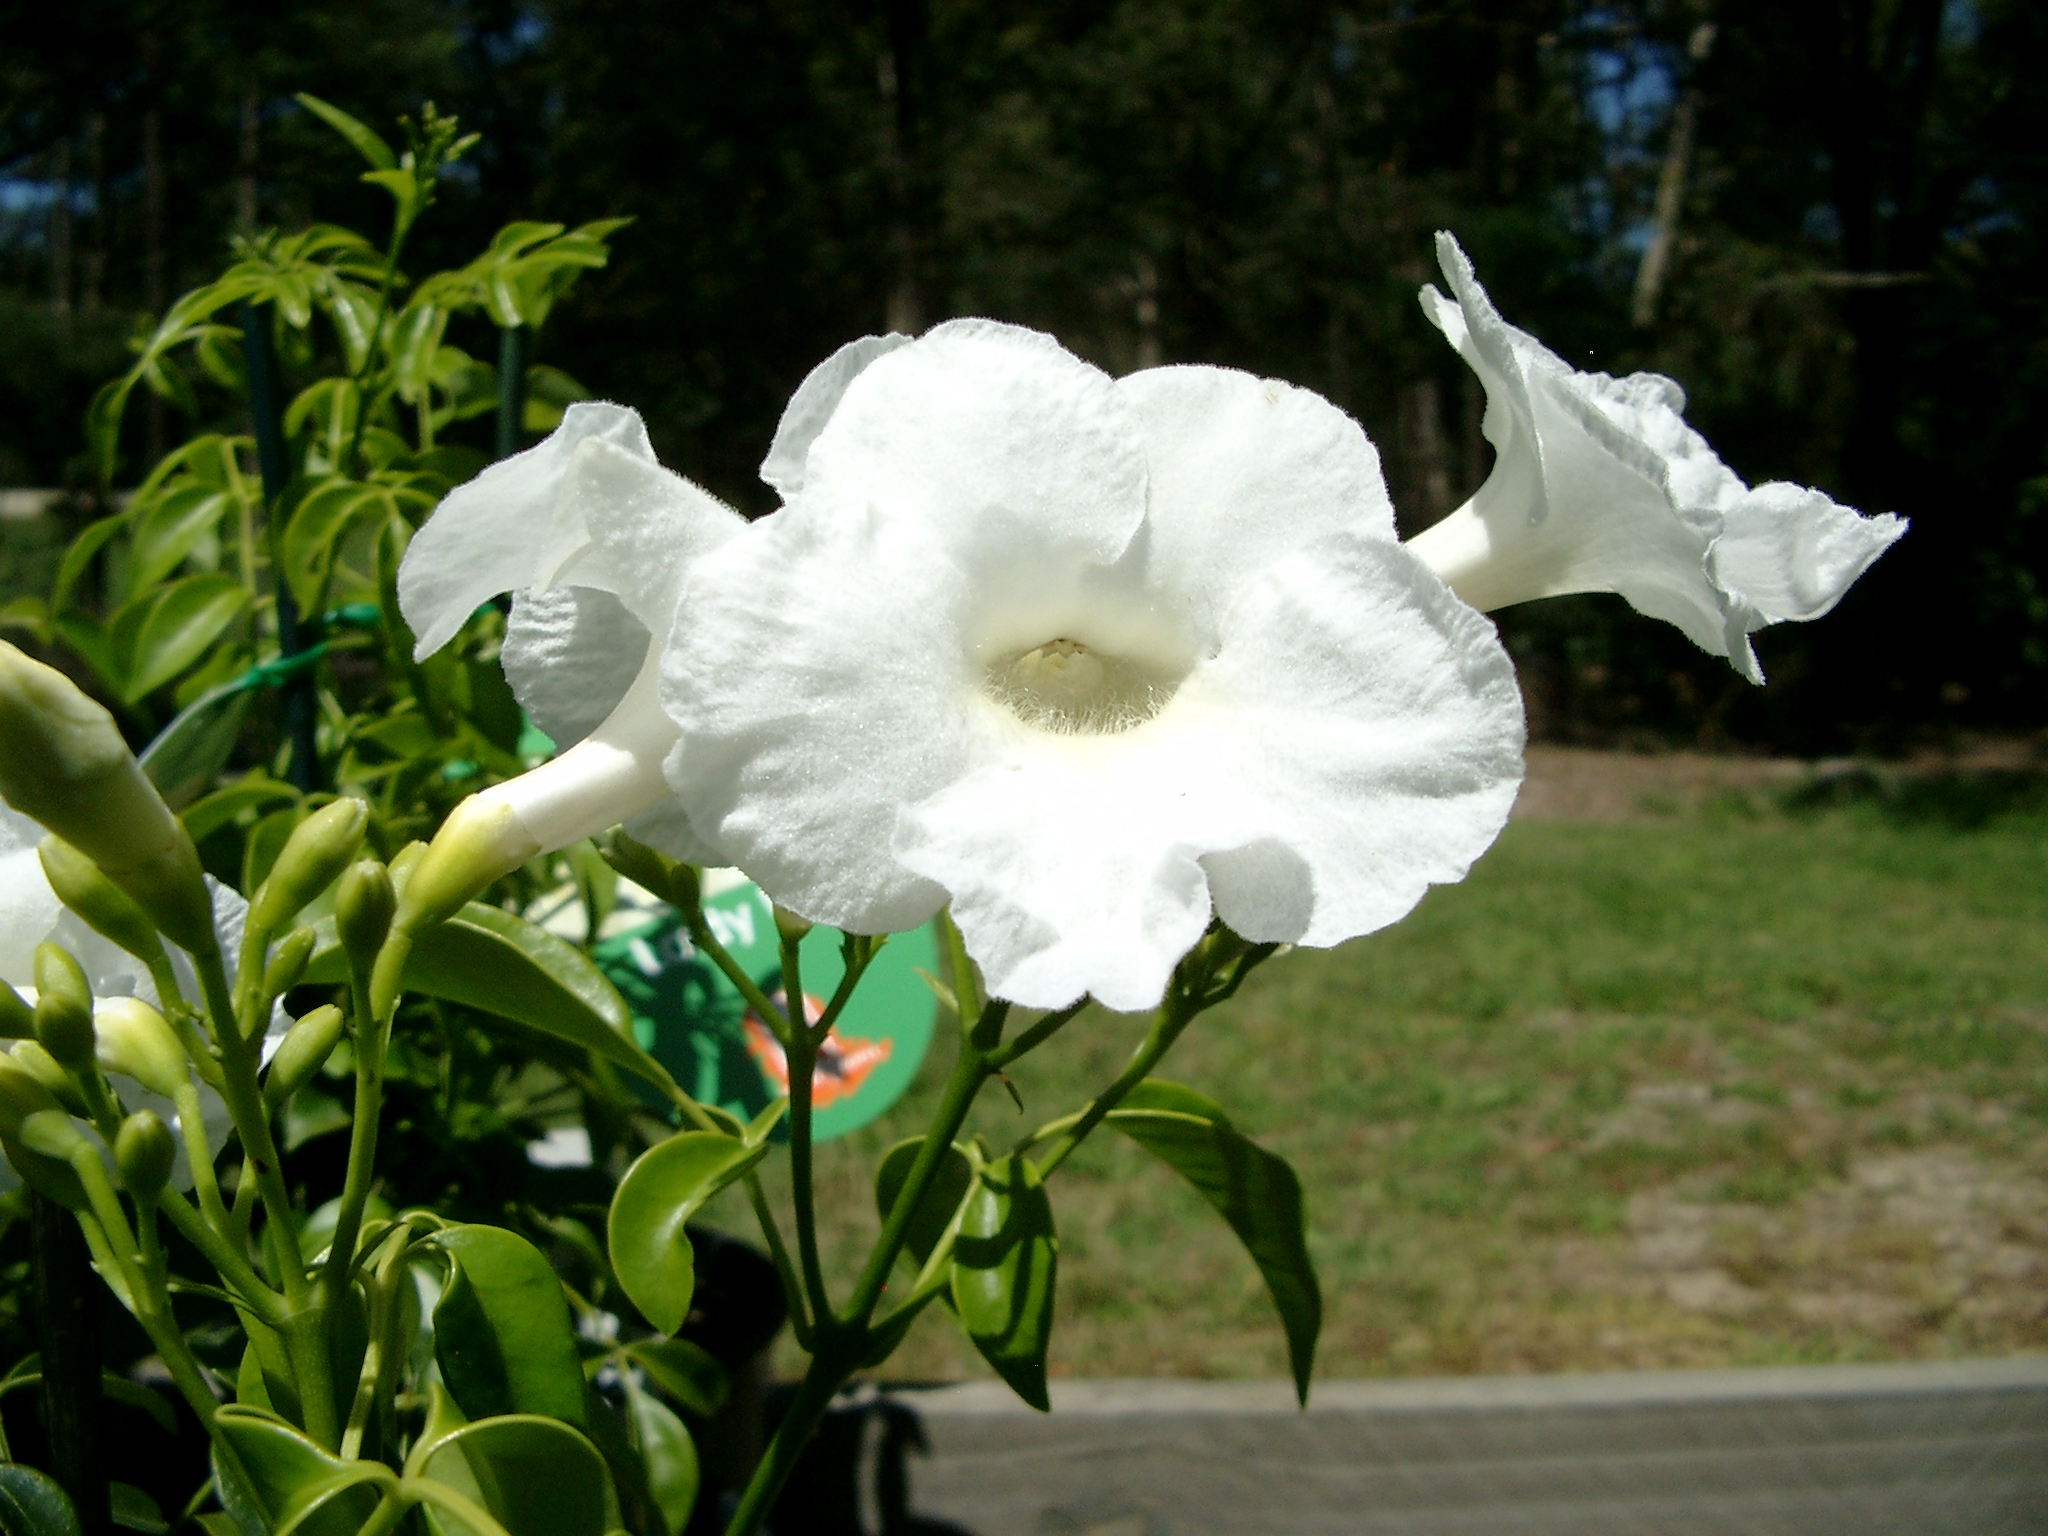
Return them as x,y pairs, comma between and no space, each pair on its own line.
1589,785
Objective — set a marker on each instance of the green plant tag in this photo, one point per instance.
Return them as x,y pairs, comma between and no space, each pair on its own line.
692,1020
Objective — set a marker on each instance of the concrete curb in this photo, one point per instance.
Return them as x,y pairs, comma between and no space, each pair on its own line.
1940,1448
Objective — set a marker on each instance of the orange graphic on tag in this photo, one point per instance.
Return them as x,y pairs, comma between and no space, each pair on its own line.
844,1061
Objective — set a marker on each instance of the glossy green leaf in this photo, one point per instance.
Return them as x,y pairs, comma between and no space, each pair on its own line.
502,965
941,1200
134,1510
502,1332
660,1192
534,1475
365,142
277,1475
31,1504
159,635
1253,1189
687,1373
1005,1262
668,1455
169,530
189,754
320,524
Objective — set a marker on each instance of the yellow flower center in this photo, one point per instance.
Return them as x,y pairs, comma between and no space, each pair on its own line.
1065,686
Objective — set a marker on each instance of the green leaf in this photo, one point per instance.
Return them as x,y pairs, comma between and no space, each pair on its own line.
158,636
103,423
1005,1262
534,1475
277,1474
367,144
134,1510
166,533
88,543
415,342
319,524
188,754
31,1504
205,817
1254,1190
684,1371
660,1192
667,1453
941,1200
501,1329
505,966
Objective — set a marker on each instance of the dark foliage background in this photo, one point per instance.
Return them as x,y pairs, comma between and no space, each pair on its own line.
1850,233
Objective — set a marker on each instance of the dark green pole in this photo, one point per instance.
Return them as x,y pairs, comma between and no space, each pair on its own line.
68,1334
303,764
511,388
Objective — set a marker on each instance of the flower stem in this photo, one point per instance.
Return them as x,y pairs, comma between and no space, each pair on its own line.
842,1347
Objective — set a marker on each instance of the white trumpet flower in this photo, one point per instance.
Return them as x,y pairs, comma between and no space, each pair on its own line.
1086,658
30,914
1598,485
592,536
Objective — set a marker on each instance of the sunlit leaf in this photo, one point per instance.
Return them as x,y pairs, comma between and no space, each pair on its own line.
276,1473
534,1475
501,1329
160,635
365,142
667,1453
1005,1263
1253,1189
660,1192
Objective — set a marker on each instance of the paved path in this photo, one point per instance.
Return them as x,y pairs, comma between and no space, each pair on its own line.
1958,1448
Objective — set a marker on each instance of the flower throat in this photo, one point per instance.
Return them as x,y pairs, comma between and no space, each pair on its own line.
1069,688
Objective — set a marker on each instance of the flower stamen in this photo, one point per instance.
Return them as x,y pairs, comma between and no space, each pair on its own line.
1069,688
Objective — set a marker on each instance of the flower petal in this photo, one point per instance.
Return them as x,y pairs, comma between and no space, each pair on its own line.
979,431
816,672
1357,738
1376,738
1599,486
1242,469
1791,553
812,406
570,654
507,529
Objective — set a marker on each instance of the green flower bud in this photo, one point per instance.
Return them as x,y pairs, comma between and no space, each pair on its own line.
363,907
404,862
289,963
789,927
63,762
646,868
482,840
318,850
53,1133
17,1019
63,1008
22,1095
303,1051
83,887
134,1040
43,1067
143,1153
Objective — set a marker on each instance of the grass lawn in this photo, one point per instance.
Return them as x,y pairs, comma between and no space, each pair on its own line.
1724,1086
